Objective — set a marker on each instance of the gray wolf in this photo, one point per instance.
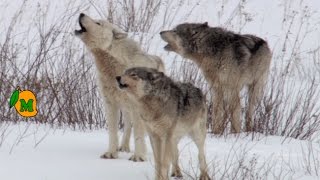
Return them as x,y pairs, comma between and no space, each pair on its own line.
114,52
170,111
229,61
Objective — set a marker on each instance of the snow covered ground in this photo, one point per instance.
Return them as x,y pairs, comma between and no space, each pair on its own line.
37,152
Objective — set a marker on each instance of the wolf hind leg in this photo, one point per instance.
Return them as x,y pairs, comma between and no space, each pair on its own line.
198,135
255,93
235,110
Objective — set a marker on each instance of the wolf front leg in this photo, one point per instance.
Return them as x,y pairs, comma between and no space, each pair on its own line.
139,135
176,171
218,113
165,156
112,121
156,149
162,155
125,142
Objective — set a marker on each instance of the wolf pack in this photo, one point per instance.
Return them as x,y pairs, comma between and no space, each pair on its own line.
134,83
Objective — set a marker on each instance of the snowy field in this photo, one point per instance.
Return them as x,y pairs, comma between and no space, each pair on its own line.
34,151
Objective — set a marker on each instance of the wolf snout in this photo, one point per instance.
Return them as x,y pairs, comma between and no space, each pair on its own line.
163,32
82,28
81,15
120,84
164,35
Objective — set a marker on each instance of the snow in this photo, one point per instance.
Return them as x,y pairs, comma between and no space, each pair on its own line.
38,152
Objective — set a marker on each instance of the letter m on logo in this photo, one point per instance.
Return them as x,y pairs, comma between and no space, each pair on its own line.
26,106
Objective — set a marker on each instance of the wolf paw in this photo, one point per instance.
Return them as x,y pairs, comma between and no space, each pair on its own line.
235,131
124,149
136,158
109,155
204,176
177,173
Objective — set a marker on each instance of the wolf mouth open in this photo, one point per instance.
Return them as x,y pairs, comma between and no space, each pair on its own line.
168,47
83,29
121,85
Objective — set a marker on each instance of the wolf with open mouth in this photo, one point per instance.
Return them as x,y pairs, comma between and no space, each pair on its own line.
114,52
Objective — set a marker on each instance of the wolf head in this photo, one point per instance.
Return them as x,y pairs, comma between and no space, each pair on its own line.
177,37
140,81
97,34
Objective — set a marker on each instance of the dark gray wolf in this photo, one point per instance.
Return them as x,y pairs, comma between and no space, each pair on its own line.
114,52
170,111
229,61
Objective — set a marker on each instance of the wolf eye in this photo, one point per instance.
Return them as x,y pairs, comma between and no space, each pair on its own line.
98,23
133,75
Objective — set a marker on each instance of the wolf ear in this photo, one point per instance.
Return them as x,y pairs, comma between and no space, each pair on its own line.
117,34
154,77
205,24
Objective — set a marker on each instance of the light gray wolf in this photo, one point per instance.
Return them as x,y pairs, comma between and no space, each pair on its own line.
170,110
114,52
229,61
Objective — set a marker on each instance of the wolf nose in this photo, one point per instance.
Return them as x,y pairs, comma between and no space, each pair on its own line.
161,32
118,78
81,15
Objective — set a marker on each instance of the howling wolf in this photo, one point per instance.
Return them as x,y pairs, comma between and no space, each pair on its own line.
114,52
170,110
229,61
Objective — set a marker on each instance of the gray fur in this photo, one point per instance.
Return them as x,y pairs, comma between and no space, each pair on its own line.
170,111
183,95
229,62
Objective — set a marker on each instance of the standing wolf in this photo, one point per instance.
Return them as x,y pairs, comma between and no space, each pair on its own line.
170,111
229,61
114,53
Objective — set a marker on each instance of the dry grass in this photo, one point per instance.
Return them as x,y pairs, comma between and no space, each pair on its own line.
45,59
50,65
63,75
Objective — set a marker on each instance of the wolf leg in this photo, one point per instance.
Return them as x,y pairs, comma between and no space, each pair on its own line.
156,148
166,154
125,143
235,109
198,135
112,121
139,135
254,94
175,172
218,123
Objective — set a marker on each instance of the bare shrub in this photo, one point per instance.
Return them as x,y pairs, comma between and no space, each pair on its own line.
289,110
289,106
62,73
240,162
46,60
52,67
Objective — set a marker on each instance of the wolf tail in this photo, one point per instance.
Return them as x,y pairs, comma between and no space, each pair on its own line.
254,43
